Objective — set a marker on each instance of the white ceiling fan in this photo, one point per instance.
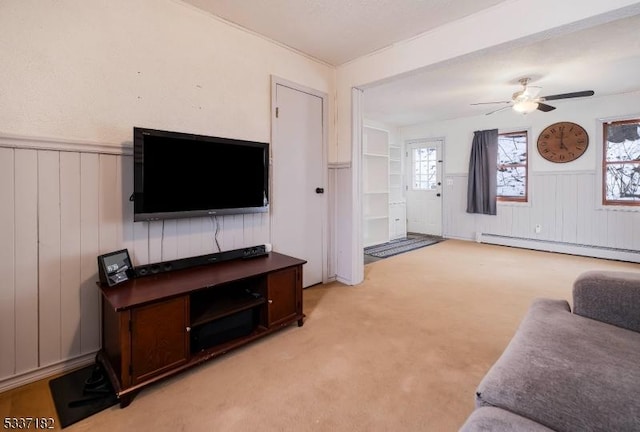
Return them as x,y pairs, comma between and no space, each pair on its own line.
527,100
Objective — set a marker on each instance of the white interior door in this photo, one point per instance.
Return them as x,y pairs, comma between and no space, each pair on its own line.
298,170
424,187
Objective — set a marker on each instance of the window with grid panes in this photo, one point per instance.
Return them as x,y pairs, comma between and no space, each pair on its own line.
425,168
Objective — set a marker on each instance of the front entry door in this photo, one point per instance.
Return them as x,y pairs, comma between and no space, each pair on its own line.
424,187
297,197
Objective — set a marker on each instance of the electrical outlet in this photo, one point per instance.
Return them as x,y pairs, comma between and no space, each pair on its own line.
538,229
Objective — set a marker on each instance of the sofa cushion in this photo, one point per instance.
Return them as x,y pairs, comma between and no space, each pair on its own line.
489,419
567,372
608,296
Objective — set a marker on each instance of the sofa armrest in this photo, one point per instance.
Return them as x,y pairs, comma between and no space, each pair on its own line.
610,297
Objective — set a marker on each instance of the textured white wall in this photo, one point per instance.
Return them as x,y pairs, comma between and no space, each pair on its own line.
91,70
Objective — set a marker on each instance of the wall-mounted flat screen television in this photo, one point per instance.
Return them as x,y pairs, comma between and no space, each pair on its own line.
178,175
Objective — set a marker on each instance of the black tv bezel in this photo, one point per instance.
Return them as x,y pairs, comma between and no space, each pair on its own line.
140,132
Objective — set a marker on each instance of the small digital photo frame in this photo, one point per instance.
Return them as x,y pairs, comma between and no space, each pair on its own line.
115,267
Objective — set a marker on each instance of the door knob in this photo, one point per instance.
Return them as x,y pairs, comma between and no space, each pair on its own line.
437,194
319,190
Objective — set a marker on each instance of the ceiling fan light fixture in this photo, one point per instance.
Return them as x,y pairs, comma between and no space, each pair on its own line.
525,106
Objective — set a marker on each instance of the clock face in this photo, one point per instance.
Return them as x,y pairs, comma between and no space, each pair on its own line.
563,142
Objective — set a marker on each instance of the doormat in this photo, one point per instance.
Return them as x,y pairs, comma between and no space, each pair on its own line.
396,247
81,393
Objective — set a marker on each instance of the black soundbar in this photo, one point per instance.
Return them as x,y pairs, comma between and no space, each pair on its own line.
184,263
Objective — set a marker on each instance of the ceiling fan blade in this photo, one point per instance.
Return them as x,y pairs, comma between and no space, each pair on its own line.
544,107
499,109
583,93
488,103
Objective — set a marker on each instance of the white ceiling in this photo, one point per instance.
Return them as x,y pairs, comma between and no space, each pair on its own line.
604,58
337,31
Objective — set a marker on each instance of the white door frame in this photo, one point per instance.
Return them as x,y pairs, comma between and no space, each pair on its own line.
357,238
275,81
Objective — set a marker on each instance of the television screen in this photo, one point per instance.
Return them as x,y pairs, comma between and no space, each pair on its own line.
180,175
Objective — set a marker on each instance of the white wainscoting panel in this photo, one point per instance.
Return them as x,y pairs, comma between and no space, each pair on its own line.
565,205
49,249
340,216
90,249
338,176
60,210
70,253
26,259
7,263
457,223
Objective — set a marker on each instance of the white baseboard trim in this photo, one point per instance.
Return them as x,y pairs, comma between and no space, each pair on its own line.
45,372
453,237
561,247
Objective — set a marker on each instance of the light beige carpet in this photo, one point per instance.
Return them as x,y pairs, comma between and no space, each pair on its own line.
403,351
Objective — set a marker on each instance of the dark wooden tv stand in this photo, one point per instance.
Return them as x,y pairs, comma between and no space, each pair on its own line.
157,326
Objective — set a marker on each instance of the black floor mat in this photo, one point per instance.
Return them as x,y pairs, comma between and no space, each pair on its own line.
395,247
81,393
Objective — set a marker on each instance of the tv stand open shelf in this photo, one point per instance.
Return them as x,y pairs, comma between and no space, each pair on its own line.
156,326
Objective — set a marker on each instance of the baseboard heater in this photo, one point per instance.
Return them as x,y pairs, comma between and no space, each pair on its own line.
628,255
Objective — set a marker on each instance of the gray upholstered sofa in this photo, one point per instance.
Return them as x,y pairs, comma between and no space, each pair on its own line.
565,371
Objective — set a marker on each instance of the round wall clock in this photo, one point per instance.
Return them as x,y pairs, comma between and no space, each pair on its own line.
563,142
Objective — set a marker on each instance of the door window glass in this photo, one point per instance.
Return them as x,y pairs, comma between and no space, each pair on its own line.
425,168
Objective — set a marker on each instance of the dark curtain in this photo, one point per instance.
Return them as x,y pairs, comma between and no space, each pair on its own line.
483,165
